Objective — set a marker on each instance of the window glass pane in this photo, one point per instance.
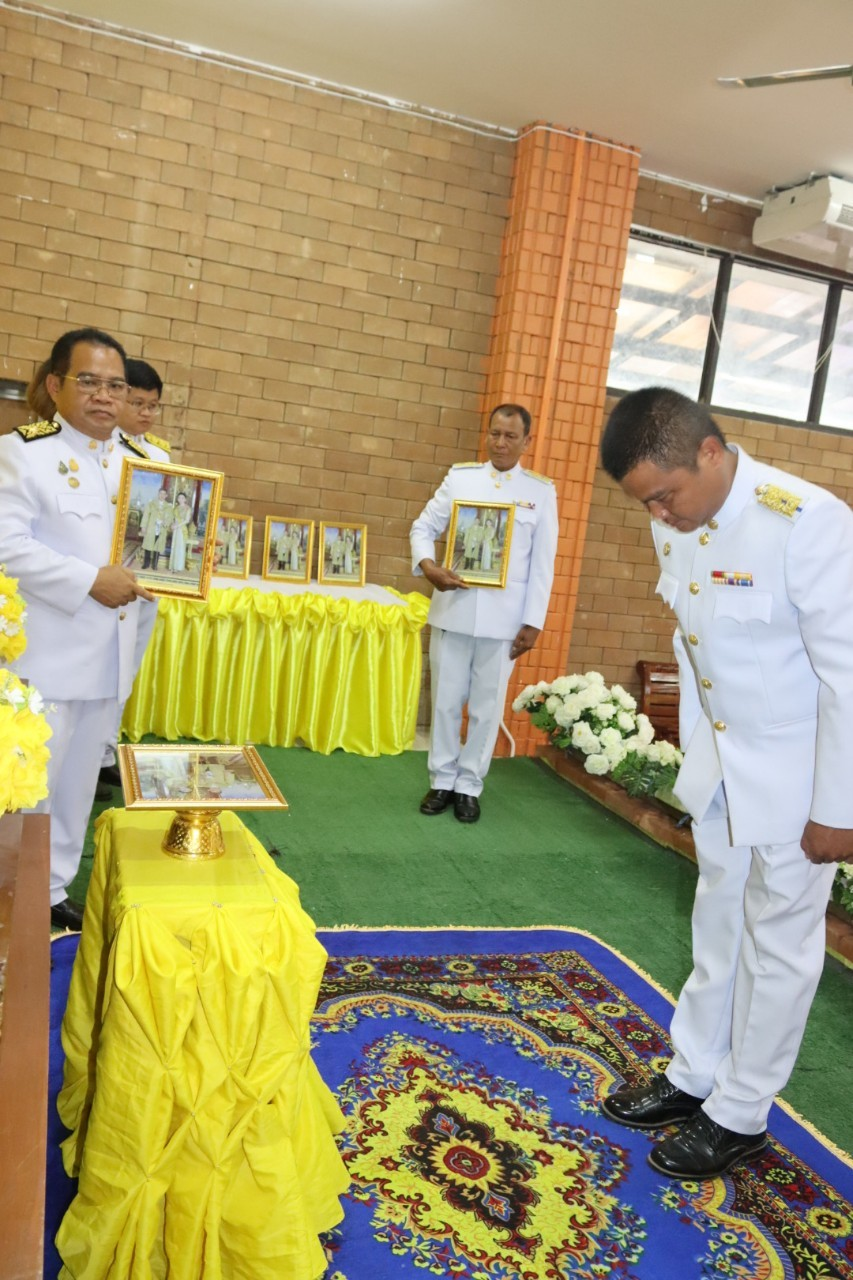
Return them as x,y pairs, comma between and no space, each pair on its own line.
837,408
663,318
769,342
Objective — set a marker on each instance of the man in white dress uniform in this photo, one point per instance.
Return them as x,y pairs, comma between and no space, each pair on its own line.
757,566
478,632
137,414
58,490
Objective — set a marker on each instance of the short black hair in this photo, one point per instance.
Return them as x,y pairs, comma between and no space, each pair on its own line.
60,356
655,424
512,411
143,377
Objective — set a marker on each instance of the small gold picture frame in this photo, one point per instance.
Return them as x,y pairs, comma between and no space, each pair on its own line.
288,549
196,784
196,777
478,542
233,545
166,522
342,558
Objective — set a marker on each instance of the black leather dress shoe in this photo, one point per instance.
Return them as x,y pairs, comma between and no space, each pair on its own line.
703,1149
436,800
649,1106
466,808
110,775
67,915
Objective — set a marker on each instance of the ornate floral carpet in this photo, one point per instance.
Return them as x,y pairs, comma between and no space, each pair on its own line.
469,1065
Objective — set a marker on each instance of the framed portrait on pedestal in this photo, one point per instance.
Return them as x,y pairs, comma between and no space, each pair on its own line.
478,542
288,549
342,556
233,545
166,526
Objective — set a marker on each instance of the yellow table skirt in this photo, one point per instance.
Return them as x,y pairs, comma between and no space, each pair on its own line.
202,1133
250,666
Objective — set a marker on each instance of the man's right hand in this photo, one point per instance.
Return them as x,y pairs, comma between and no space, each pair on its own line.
442,579
115,586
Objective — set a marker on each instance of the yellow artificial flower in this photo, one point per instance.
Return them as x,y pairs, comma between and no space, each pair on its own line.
24,731
13,612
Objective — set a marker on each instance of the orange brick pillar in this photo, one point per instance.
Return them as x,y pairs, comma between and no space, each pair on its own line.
561,275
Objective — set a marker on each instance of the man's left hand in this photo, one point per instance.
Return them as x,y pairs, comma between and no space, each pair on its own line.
525,640
827,844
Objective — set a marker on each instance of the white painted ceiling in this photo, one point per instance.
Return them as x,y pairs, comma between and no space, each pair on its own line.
637,71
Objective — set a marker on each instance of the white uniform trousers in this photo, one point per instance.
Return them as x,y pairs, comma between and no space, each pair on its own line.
81,729
144,631
465,669
759,940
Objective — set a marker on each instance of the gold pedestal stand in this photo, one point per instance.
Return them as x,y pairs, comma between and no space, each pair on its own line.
195,834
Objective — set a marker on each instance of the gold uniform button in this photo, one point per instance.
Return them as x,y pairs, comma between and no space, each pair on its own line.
666,548
720,726
122,616
704,539
712,524
706,683
93,444
693,639
694,588
114,499
104,462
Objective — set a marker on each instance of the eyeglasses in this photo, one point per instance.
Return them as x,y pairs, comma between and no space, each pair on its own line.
140,406
89,384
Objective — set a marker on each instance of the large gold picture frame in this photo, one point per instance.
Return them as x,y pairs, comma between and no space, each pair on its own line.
342,556
478,542
166,522
288,549
233,545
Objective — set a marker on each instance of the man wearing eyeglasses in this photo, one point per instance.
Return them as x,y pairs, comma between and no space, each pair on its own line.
58,493
137,414
141,409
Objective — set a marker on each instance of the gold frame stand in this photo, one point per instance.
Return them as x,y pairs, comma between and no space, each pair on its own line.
195,834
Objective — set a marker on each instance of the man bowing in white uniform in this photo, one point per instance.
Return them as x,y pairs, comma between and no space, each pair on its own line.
478,632
757,566
58,488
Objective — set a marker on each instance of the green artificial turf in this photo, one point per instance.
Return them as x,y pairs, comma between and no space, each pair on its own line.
542,854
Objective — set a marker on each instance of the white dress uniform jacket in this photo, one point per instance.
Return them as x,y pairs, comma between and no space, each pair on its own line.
487,611
764,600
54,536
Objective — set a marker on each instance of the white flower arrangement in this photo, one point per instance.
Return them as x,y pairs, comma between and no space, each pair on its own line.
581,714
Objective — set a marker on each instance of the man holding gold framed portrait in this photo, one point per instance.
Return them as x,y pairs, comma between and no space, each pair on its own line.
58,492
477,632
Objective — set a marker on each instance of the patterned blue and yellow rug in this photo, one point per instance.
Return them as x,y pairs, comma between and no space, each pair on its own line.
470,1064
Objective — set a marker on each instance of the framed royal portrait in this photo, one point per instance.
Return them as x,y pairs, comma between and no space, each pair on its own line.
478,542
166,526
196,777
233,545
288,549
342,558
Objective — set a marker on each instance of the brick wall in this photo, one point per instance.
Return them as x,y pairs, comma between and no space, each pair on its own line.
618,618
314,276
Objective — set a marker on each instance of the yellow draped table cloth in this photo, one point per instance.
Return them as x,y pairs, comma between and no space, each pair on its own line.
201,1132
270,667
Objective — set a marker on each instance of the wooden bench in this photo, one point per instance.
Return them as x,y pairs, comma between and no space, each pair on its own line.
659,697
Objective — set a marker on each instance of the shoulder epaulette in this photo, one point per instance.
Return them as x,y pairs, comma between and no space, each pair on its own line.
133,446
457,466
157,441
38,430
534,475
780,500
